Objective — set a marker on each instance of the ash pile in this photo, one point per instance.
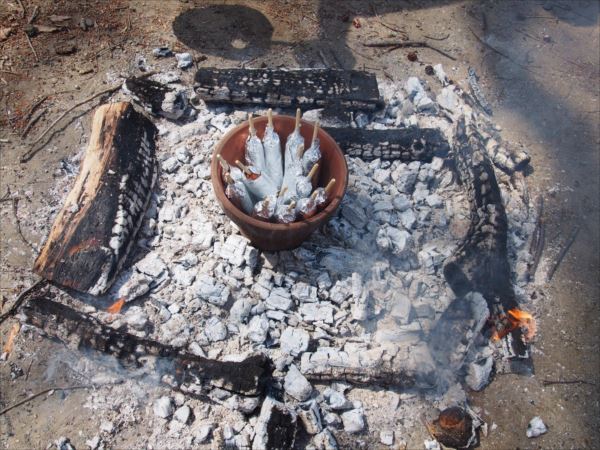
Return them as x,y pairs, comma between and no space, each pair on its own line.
361,318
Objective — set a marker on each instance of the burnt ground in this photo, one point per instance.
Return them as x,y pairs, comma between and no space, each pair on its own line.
538,68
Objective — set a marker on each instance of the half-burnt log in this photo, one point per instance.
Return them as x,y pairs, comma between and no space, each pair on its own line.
394,370
92,234
404,144
59,321
157,98
481,262
280,88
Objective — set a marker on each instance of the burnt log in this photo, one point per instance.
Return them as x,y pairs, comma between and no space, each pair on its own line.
394,372
280,88
157,98
480,264
61,322
404,144
94,231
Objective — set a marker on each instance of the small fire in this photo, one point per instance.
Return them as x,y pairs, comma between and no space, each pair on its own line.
515,319
115,308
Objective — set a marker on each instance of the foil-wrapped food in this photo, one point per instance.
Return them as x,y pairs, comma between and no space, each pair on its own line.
273,185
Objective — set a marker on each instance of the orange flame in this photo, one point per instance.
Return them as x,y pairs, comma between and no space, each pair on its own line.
516,318
115,308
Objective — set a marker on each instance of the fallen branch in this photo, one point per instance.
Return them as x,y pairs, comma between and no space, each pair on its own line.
29,154
15,210
34,107
32,122
563,252
45,391
32,152
395,45
32,49
551,382
22,297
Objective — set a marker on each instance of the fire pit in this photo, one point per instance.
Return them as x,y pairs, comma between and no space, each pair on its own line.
274,236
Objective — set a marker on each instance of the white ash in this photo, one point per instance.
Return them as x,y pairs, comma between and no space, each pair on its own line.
536,427
370,281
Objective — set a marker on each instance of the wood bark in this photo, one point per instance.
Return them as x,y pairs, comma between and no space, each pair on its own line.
404,144
481,262
59,321
300,88
92,234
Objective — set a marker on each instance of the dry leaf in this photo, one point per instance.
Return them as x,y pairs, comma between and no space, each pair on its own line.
5,33
55,18
10,340
46,28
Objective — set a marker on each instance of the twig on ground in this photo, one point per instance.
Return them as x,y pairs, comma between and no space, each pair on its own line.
32,122
504,55
395,45
10,72
537,243
23,11
324,59
31,46
45,391
437,39
28,369
33,15
29,154
386,25
35,106
563,252
22,297
15,210
551,382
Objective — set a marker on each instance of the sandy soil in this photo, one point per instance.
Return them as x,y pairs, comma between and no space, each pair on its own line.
539,69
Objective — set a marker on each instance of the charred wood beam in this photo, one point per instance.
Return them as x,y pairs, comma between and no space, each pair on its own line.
299,88
481,262
417,371
94,231
59,321
404,144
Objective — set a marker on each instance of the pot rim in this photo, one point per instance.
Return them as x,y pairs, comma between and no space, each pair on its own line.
228,206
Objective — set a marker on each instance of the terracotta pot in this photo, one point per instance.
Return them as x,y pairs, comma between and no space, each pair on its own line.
274,236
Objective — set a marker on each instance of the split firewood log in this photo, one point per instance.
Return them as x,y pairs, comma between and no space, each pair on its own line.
94,231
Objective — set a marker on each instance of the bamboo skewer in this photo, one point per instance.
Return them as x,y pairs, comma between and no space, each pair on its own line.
315,131
270,117
300,151
329,186
244,168
298,114
224,164
251,125
313,171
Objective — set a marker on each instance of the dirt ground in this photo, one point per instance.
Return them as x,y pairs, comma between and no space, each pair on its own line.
538,63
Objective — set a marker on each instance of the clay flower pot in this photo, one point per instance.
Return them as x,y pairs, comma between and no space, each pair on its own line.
275,236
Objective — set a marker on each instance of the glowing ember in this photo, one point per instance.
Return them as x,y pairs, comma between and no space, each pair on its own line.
10,340
115,308
515,319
